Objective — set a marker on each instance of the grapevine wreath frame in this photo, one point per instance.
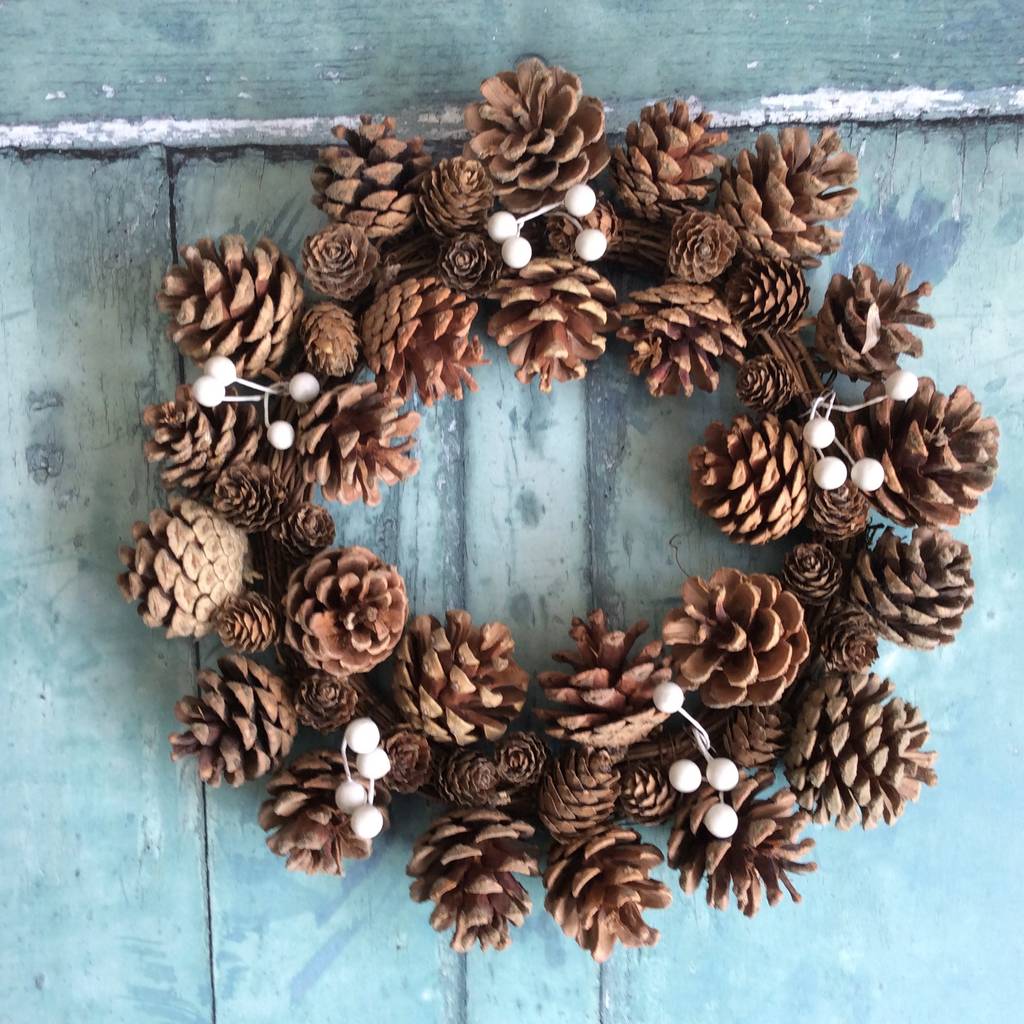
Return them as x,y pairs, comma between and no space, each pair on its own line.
775,670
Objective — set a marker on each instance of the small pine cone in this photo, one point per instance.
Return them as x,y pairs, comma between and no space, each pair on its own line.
330,340
416,337
738,639
861,327
813,572
469,264
752,478
195,444
466,863
578,793
458,683
372,179
680,335
916,591
840,514
352,439
667,162
456,197
561,228
187,563
537,134
765,384
240,726
939,454
251,496
756,861
411,759
233,301
778,197
756,737
700,246
326,703
646,796
345,610
607,699
855,756
304,530
248,623
848,640
598,887
309,829
521,759
339,261
553,319
467,778
766,294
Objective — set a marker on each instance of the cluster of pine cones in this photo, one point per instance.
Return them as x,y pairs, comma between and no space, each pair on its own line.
780,663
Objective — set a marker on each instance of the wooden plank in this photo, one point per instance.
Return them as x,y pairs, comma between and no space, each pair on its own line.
102,904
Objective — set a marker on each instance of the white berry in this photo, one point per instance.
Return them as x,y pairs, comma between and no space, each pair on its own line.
362,735
591,245
516,252
830,473
580,200
208,391
502,226
220,368
721,821
668,697
374,764
367,822
901,385
303,387
349,795
819,432
281,435
723,774
684,775
868,474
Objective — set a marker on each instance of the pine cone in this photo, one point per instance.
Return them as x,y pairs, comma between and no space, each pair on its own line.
778,197
304,530
856,756
239,727
553,318
739,639
646,797
466,862
848,640
598,887
607,698
759,858
668,161
196,444
458,683
352,439
467,778
416,337
916,591
812,572
250,495
765,384
339,261
756,737
345,610
326,703
939,454
469,264
372,179
186,564
700,246
520,759
247,623
537,134
411,759
840,514
456,198
314,835
561,228
751,478
234,302
861,328
578,792
766,294
330,340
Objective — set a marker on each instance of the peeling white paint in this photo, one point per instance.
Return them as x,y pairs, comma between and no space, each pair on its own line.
108,91
60,94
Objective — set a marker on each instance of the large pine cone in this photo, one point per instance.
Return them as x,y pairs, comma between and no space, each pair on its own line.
537,134
645,795
236,302
345,610
778,197
667,162
371,180
598,887
339,260
861,327
916,591
352,439
329,339
839,514
701,245
466,863
766,294
458,683
751,478
682,332
456,197
311,832
578,793
416,336
940,455
553,318
240,726
756,737
856,756
186,564
738,639
756,861
607,698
